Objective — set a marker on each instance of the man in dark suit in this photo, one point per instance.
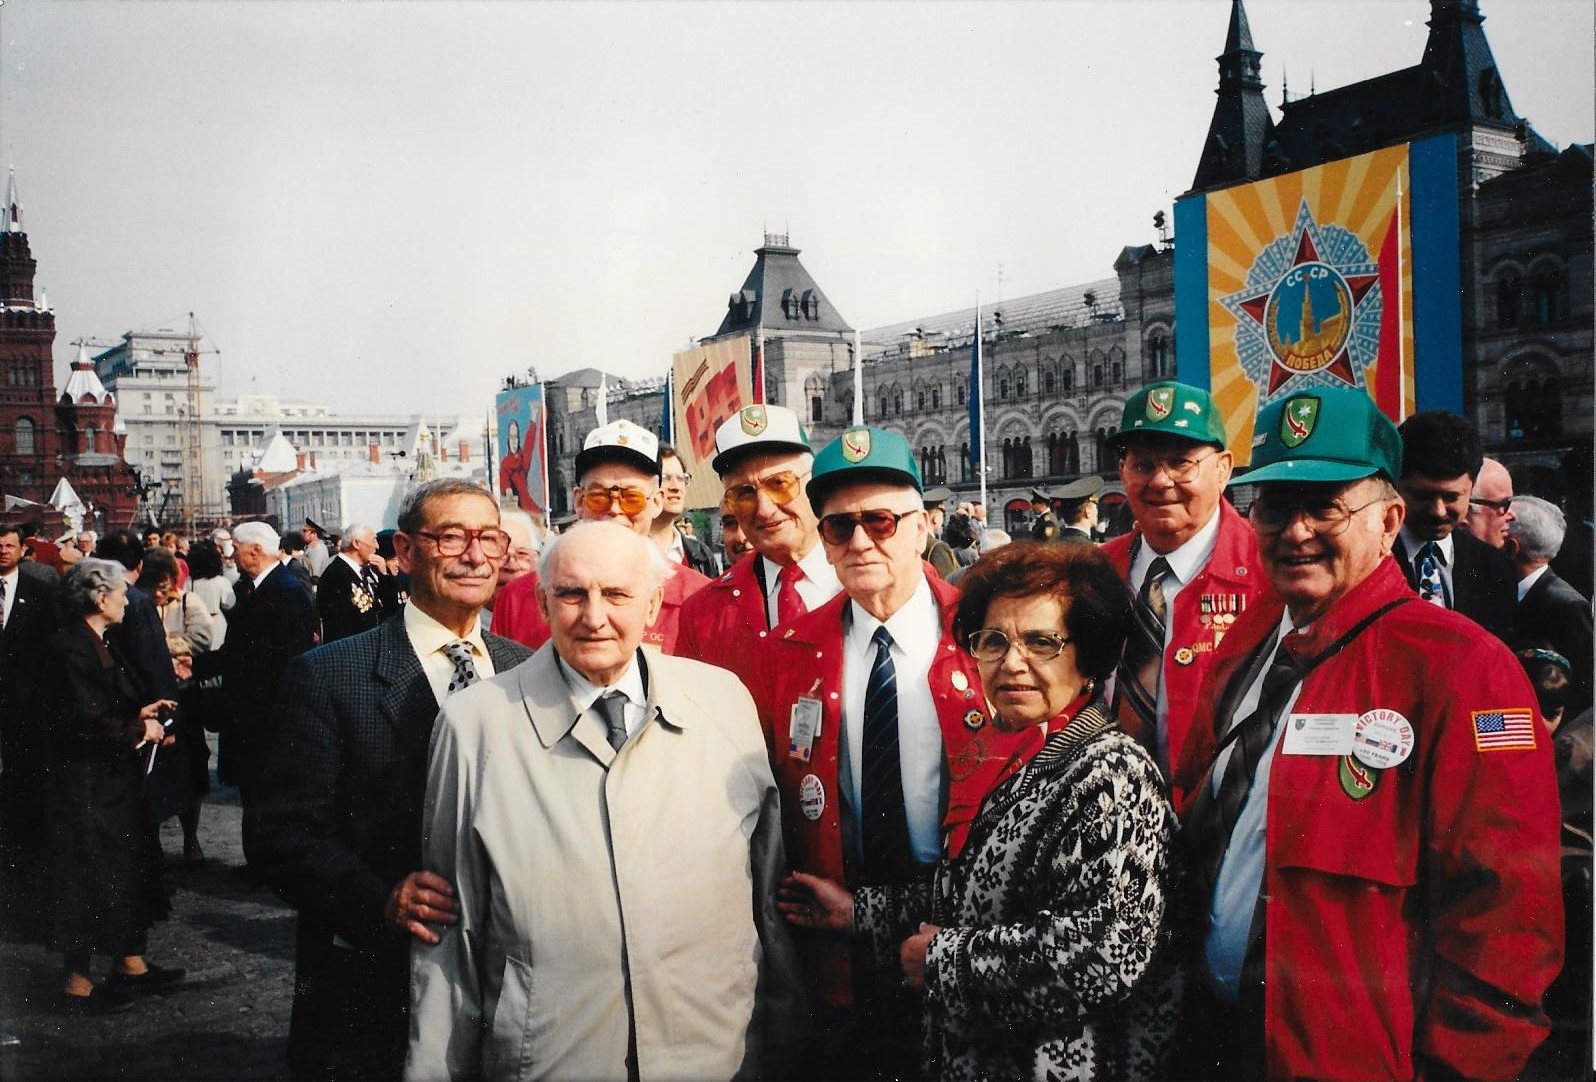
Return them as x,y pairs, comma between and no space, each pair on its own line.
27,624
348,595
271,625
1448,566
337,827
1550,611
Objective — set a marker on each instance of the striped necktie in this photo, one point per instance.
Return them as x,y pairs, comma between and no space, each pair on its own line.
1141,667
883,824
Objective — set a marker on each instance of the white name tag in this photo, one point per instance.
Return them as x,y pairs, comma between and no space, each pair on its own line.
1319,734
803,729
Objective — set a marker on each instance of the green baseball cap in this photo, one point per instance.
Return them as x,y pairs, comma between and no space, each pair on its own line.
862,454
1172,409
1325,434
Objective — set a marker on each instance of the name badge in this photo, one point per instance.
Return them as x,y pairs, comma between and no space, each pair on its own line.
1319,734
803,728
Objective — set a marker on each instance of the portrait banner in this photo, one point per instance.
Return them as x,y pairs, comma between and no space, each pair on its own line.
1309,280
712,382
523,478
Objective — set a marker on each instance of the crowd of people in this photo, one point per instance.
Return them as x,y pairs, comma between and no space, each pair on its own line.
1292,779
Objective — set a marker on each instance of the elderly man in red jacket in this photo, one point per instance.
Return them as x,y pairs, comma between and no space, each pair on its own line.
879,735
1374,827
763,459
617,477
1191,562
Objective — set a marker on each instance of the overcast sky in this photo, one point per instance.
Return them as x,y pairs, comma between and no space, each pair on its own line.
392,206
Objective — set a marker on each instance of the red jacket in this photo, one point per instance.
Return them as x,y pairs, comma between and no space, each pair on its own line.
1414,928
805,659
516,614
724,623
1230,581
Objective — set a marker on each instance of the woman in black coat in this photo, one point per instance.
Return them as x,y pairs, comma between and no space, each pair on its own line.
107,869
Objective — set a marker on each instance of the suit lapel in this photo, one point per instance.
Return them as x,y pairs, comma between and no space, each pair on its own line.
405,697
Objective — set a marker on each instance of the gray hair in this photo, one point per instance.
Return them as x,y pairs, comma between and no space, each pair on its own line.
994,539
413,508
352,532
1538,527
85,582
258,533
658,566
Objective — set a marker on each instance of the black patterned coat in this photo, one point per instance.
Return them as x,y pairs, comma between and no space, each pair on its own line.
1055,959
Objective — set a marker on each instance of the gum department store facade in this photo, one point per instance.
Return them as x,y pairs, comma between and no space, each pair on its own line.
1059,365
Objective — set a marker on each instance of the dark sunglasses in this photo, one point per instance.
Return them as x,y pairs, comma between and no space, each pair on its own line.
879,524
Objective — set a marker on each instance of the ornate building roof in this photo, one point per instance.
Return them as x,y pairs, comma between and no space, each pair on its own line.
779,296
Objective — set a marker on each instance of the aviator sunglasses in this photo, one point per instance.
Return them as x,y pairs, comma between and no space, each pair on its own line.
879,524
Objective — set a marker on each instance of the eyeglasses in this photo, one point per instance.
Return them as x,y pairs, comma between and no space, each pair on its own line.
1181,470
1501,507
683,479
782,488
453,542
989,644
597,500
1326,515
879,524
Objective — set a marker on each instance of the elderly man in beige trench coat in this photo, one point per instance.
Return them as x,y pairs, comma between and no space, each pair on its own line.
611,825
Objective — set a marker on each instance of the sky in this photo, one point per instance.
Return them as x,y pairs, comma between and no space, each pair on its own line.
389,207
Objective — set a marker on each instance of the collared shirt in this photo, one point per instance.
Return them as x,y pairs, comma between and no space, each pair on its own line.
1444,549
428,638
1185,563
260,578
11,580
675,553
916,630
358,568
818,585
585,693
1241,872
1531,579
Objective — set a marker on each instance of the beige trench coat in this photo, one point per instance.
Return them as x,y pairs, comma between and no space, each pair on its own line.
602,894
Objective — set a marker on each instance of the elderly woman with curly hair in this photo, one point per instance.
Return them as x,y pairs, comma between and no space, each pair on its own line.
1044,946
107,869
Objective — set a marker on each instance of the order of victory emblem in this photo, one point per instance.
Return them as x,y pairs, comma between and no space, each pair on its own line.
1310,315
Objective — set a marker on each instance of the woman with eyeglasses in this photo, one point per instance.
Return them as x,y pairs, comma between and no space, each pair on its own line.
1044,946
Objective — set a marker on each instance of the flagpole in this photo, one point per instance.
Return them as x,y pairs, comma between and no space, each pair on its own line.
759,345
980,382
543,429
858,380
1402,370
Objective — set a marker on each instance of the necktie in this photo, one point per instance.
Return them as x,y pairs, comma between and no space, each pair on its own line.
368,576
1141,667
1427,569
883,825
2,604
611,707
465,670
1253,733
788,603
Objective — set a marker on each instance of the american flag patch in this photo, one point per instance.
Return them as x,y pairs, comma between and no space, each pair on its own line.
1504,730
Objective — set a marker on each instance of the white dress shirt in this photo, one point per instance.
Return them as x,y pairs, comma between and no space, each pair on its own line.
916,630
818,585
11,582
585,693
428,638
1444,548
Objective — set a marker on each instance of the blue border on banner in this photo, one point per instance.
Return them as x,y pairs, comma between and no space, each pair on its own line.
1191,291
1437,275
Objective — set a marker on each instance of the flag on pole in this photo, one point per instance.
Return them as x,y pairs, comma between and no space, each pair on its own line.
758,379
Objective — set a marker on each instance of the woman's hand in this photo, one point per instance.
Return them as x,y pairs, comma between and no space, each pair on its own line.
154,731
911,955
812,902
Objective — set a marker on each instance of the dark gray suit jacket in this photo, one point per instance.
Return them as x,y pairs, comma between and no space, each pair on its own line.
336,823
1484,582
1553,611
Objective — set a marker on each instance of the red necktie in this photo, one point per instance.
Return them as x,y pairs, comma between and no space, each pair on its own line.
788,604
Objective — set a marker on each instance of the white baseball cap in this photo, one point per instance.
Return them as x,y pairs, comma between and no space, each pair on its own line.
758,429
619,441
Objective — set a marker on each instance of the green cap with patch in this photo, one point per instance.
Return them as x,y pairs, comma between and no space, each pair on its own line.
862,454
1172,409
1332,434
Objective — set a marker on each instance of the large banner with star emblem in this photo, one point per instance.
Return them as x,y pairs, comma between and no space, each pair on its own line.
1343,275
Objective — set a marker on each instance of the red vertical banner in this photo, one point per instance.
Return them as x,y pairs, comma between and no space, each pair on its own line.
1388,369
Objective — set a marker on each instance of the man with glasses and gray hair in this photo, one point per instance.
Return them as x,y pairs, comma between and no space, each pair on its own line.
763,459
336,829
880,738
617,478
1190,561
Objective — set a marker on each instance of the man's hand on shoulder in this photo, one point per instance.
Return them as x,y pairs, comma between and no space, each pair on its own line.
419,899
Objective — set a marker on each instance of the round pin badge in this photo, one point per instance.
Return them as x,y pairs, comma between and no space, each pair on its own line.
1185,656
959,680
811,797
1382,738
974,719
